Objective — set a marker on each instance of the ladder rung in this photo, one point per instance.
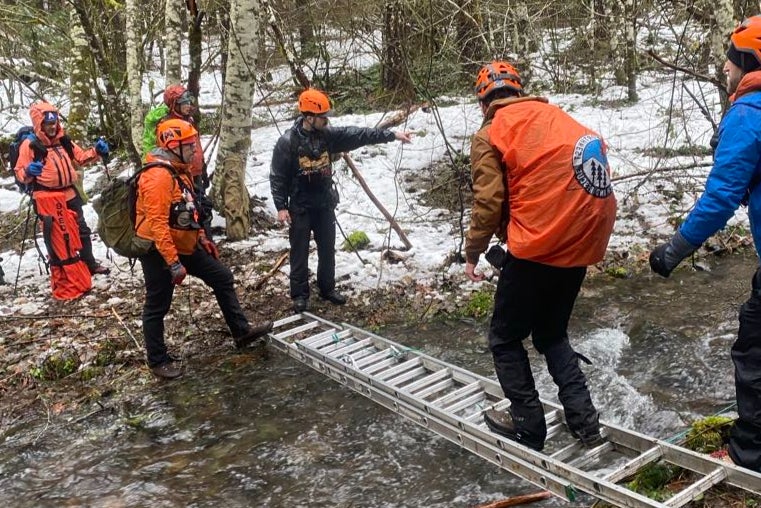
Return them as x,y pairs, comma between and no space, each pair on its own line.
552,416
420,383
297,330
329,338
474,417
287,320
403,378
466,402
331,349
309,341
351,348
457,394
367,360
402,367
381,366
567,451
685,496
554,430
635,464
435,388
591,455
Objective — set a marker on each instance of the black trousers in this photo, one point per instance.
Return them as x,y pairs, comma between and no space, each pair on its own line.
159,290
745,436
85,234
537,300
304,221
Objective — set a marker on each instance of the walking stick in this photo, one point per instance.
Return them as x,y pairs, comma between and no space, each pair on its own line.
23,241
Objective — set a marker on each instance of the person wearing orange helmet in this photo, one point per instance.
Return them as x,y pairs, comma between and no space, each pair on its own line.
541,182
301,180
733,180
48,161
166,213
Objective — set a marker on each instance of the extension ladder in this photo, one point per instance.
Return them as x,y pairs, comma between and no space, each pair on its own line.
449,401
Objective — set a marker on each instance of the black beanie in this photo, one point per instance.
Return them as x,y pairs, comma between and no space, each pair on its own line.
745,61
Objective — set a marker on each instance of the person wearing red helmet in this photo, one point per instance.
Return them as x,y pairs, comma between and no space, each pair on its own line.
541,182
734,180
166,213
301,180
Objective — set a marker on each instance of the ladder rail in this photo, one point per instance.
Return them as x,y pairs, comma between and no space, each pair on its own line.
400,379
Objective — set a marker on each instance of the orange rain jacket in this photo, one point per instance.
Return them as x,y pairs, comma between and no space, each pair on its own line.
555,177
59,171
157,190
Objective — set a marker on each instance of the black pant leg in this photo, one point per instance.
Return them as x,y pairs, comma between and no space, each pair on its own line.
75,204
220,279
158,300
299,234
324,223
745,436
514,305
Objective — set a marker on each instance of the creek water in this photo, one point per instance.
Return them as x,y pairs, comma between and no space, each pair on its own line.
263,430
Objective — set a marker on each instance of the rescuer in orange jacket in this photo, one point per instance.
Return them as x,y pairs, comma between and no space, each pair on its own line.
44,164
547,178
167,213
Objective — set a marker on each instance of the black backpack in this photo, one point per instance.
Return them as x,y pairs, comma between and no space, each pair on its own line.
40,152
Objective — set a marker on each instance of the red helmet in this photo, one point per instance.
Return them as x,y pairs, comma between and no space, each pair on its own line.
497,75
314,102
170,133
747,39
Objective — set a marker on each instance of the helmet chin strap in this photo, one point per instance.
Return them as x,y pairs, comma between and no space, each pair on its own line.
178,155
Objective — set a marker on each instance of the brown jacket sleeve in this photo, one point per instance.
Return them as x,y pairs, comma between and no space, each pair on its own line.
489,195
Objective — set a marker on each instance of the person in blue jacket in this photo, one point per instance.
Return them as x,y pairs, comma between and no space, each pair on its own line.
732,181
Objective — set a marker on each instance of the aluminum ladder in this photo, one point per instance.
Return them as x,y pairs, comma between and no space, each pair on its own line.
449,401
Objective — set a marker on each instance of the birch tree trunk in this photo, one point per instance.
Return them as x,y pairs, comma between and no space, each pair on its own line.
79,83
134,72
229,191
173,42
523,42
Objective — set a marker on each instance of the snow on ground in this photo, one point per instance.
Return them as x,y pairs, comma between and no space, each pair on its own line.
434,234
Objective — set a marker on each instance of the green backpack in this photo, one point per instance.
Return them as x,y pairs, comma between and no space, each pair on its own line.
116,214
152,120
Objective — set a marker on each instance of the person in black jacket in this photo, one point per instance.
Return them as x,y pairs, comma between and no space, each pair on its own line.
301,181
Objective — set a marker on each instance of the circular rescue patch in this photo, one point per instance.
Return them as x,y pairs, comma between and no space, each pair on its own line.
590,165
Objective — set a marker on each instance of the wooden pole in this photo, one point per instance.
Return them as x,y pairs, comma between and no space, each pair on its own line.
519,500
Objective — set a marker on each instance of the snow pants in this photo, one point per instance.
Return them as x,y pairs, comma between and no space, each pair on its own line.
159,291
537,300
304,221
745,436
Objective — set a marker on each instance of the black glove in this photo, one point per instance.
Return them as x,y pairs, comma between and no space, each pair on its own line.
666,257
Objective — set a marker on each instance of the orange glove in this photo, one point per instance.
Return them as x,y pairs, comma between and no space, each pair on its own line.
209,247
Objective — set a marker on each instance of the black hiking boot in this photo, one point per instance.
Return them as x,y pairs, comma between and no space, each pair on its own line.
591,438
98,269
501,422
300,304
168,370
334,297
253,334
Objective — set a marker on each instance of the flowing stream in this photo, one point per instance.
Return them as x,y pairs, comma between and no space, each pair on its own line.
264,430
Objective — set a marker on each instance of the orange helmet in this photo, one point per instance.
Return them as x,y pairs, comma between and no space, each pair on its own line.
314,102
497,75
173,132
746,40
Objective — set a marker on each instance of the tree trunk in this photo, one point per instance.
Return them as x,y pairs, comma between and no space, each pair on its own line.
469,39
229,191
173,42
79,83
394,73
722,25
630,49
134,71
194,46
523,41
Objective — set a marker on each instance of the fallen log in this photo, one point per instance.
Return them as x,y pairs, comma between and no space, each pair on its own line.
519,500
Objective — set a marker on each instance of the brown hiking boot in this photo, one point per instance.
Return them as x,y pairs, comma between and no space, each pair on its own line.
168,370
252,334
501,422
